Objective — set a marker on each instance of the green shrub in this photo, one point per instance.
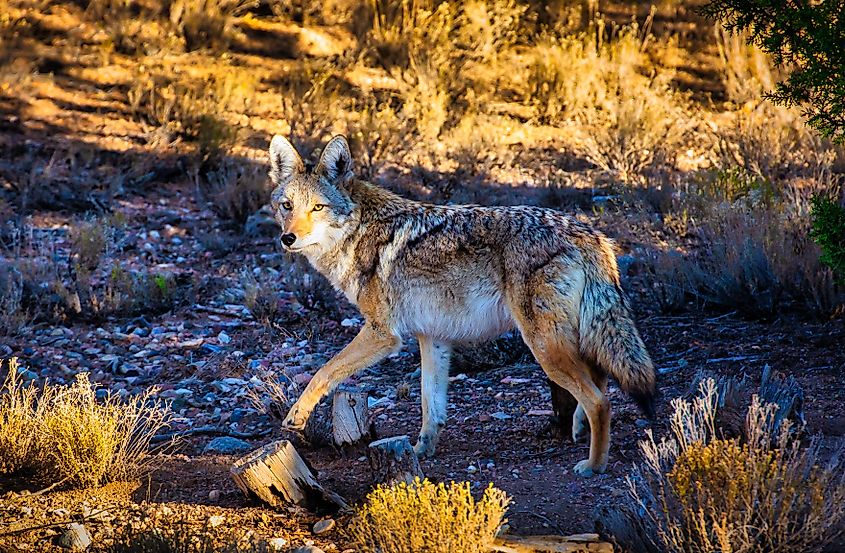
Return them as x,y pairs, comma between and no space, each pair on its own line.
829,233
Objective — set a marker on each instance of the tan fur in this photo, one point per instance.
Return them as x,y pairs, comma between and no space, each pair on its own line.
448,274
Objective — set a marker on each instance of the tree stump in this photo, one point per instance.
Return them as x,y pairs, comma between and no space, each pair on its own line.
350,417
579,543
563,406
276,475
393,460
787,394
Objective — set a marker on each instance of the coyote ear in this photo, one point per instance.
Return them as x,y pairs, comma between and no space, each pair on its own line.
336,160
284,160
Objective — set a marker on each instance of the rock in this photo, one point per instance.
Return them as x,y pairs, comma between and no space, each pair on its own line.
261,223
307,549
303,378
323,526
277,544
216,520
499,415
226,445
76,537
214,495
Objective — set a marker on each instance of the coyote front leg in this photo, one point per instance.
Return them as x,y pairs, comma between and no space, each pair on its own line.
371,345
434,357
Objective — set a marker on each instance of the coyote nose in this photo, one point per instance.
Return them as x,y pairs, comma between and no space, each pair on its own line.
288,239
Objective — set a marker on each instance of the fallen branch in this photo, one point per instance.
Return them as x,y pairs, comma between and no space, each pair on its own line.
210,431
578,543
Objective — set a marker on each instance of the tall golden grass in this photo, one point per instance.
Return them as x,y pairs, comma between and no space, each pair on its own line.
65,434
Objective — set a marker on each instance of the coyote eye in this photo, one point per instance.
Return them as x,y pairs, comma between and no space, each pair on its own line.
319,207
287,206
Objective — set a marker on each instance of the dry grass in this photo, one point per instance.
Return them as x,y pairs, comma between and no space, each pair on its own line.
65,434
20,416
747,72
272,396
428,518
703,493
235,189
193,109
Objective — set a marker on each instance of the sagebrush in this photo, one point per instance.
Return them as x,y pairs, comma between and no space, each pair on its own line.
697,492
428,518
66,434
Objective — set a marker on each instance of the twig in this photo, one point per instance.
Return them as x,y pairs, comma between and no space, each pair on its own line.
210,431
41,526
50,487
714,319
734,358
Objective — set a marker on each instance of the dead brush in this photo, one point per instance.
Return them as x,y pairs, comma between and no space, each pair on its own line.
771,142
13,314
747,71
272,396
632,122
193,109
311,289
428,518
261,295
207,23
235,189
697,492
379,135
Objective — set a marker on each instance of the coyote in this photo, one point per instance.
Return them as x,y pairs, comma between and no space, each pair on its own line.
451,274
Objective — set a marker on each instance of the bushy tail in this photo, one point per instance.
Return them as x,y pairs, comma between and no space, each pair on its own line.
608,335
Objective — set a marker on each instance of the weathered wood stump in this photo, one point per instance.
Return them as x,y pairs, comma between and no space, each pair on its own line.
393,460
276,475
563,406
579,543
350,417
787,394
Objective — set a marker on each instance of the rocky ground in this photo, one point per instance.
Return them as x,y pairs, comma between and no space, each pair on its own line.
210,358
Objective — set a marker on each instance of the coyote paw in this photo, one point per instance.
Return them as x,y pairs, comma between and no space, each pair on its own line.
580,431
586,469
295,421
424,447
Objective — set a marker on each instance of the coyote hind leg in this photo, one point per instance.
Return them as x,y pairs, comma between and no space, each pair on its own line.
580,427
547,310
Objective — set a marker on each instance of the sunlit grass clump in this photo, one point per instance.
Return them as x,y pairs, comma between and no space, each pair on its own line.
428,518
20,414
65,434
701,493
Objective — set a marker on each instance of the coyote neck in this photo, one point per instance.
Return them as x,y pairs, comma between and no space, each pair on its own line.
341,264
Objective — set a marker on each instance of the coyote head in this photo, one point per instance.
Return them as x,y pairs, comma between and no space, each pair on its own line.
313,207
